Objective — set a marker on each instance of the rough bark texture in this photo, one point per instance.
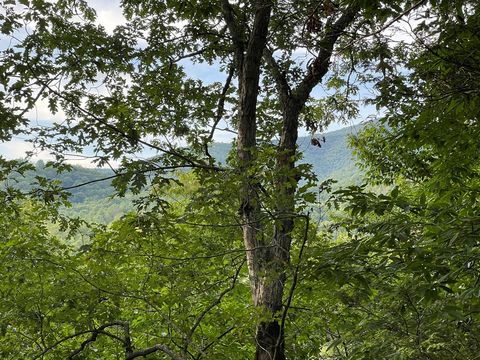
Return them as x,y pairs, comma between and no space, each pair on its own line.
292,102
268,259
267,292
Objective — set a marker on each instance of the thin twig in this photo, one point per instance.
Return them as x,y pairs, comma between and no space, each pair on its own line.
294,282
395,19
220,107
211,306
213,342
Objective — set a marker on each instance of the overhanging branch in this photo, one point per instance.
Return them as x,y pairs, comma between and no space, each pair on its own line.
279,77
104,122
320,65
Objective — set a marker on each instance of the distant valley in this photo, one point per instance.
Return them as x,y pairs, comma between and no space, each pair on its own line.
333,159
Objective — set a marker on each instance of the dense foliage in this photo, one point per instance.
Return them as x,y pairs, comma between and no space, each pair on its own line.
225,261
413,251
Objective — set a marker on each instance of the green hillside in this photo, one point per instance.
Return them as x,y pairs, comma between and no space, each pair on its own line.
94,201
332,160
79,175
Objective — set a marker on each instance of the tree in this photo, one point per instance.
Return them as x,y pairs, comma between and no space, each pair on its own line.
124,290
148,95
412,271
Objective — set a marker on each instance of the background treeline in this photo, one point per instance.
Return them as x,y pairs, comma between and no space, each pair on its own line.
96,202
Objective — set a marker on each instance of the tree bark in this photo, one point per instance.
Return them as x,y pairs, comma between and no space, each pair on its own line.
268,259
270,334
267,292
265,260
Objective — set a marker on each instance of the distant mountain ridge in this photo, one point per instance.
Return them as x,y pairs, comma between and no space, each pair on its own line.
333,159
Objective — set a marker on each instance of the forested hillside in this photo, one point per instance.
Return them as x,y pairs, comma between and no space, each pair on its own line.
95,201
333,159
77,176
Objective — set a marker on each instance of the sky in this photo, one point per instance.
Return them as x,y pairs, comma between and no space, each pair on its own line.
109,16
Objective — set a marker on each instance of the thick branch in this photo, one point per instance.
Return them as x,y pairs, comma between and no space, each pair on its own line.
151,350
249,80
233,27
319,67
94,333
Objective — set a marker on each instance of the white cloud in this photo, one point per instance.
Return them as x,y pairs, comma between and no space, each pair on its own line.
109,13
41,113
15,149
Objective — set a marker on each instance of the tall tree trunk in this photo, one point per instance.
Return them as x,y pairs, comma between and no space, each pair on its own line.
276,260
268,259
266,292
